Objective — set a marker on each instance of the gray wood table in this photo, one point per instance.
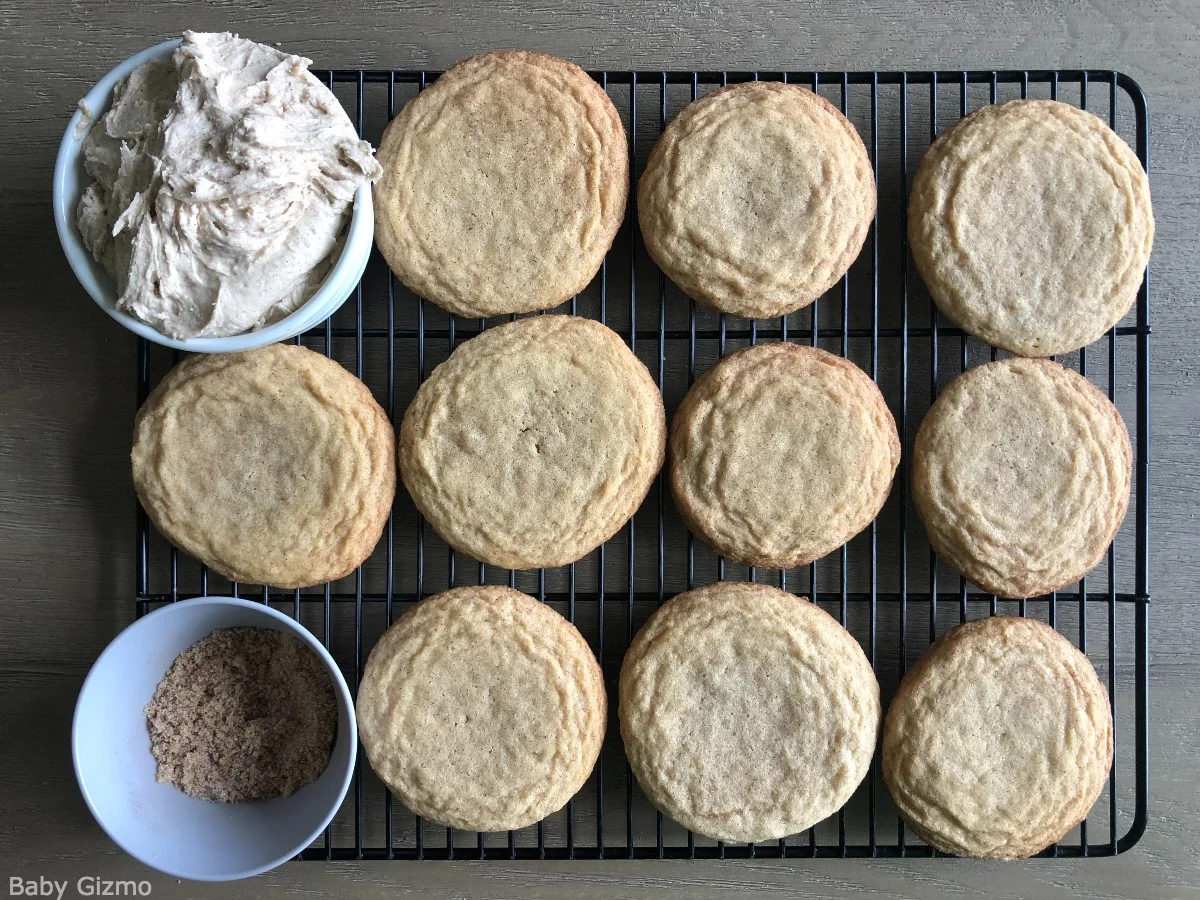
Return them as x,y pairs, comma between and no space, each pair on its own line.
67,401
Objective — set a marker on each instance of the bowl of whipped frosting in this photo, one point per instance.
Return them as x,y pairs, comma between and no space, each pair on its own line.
212,195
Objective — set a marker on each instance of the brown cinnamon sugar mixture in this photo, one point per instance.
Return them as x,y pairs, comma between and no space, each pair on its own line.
243,714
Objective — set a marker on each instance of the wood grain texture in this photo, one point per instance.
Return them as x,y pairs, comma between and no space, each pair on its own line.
67,400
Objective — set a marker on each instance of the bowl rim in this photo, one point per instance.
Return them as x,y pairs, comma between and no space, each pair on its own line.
335,289
341,688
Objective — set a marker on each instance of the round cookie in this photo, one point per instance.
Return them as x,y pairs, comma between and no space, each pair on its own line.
504,184
747,713
999,739
534,442
482,709
757,198
781,453
1021,474
274,466
1030,222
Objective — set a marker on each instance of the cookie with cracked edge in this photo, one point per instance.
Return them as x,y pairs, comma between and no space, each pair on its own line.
504,184
1021,474
999,739
747,713
482,709
275,466
534,442
781,453
1031,224
757,198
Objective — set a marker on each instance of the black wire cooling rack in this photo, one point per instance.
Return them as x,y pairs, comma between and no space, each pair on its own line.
886,585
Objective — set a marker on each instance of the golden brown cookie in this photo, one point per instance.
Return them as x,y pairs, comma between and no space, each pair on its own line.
534,442
781,453
274,466
1021,473
999,739
757,198
1031,224
503,184
747,713
482,709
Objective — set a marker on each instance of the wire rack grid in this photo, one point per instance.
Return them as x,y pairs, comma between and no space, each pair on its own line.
886,585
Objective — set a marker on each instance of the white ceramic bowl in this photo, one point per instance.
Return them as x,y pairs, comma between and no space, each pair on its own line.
158,824
70,180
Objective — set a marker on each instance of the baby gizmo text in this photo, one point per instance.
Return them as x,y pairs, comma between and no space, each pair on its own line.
85,886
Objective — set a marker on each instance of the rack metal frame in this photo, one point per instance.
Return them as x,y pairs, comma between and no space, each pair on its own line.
613,799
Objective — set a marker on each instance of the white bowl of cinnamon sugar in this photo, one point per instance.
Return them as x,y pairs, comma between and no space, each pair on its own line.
214,739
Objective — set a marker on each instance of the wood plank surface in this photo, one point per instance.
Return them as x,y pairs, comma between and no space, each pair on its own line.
67,401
